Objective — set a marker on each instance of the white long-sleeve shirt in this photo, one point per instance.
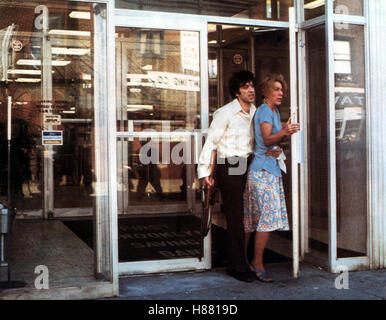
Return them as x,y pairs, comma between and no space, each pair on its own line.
230,134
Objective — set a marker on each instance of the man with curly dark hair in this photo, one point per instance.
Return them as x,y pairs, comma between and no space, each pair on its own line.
231,136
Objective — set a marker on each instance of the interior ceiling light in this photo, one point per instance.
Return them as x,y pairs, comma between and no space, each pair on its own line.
215,41
69,33
25,71
32,80
147,67
56,63
86,76
80,15
70,51
314,4
264,30
137,107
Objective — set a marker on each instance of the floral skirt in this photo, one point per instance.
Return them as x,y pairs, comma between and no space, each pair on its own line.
264,203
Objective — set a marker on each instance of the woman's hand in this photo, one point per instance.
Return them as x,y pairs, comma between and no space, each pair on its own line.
290,128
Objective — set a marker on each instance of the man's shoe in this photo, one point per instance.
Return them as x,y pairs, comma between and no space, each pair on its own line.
242,276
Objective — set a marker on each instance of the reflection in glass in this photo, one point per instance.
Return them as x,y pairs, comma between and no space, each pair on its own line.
159,77
154,175
317,140
158,109
63,65
159,86
342,58
229,52
351,151
313,8
348,7
49,73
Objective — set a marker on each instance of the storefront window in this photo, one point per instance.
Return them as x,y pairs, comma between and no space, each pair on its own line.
253,9
348,7
351,149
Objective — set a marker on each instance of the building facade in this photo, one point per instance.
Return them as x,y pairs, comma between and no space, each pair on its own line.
103,111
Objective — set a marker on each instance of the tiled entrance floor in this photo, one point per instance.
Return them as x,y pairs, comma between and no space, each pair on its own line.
49,243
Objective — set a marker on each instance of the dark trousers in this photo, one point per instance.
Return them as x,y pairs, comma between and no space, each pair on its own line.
232,189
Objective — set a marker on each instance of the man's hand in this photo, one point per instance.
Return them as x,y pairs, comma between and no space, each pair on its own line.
207,181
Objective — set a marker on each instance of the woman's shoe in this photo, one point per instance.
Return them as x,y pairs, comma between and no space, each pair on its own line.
261,275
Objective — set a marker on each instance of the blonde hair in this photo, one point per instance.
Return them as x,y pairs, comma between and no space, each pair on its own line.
266,85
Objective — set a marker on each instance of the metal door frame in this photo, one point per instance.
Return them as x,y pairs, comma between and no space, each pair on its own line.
159,20
334,263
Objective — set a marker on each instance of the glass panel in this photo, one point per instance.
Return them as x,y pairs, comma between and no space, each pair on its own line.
317,140
23,86
313,8
349,7
351,154
73,93
158,99
49,79
157,170
253,9
230,51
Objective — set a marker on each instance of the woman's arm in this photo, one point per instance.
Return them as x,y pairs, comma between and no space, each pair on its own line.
274,139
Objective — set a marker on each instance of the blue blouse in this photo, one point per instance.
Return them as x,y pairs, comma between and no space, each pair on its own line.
260,160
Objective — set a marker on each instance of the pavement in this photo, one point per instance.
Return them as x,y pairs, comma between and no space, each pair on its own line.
314,283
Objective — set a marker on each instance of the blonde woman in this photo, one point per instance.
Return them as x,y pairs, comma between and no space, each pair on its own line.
264,201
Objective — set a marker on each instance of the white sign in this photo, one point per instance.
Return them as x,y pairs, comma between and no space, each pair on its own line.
52,119
238,58
190,55
165,80
17,45
52,138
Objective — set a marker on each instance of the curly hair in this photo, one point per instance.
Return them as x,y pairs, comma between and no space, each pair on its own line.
266,84
238,79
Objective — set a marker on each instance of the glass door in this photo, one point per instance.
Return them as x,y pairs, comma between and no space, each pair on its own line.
52,112
337,213
159,103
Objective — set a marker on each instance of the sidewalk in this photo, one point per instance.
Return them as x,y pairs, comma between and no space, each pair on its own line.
312,284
